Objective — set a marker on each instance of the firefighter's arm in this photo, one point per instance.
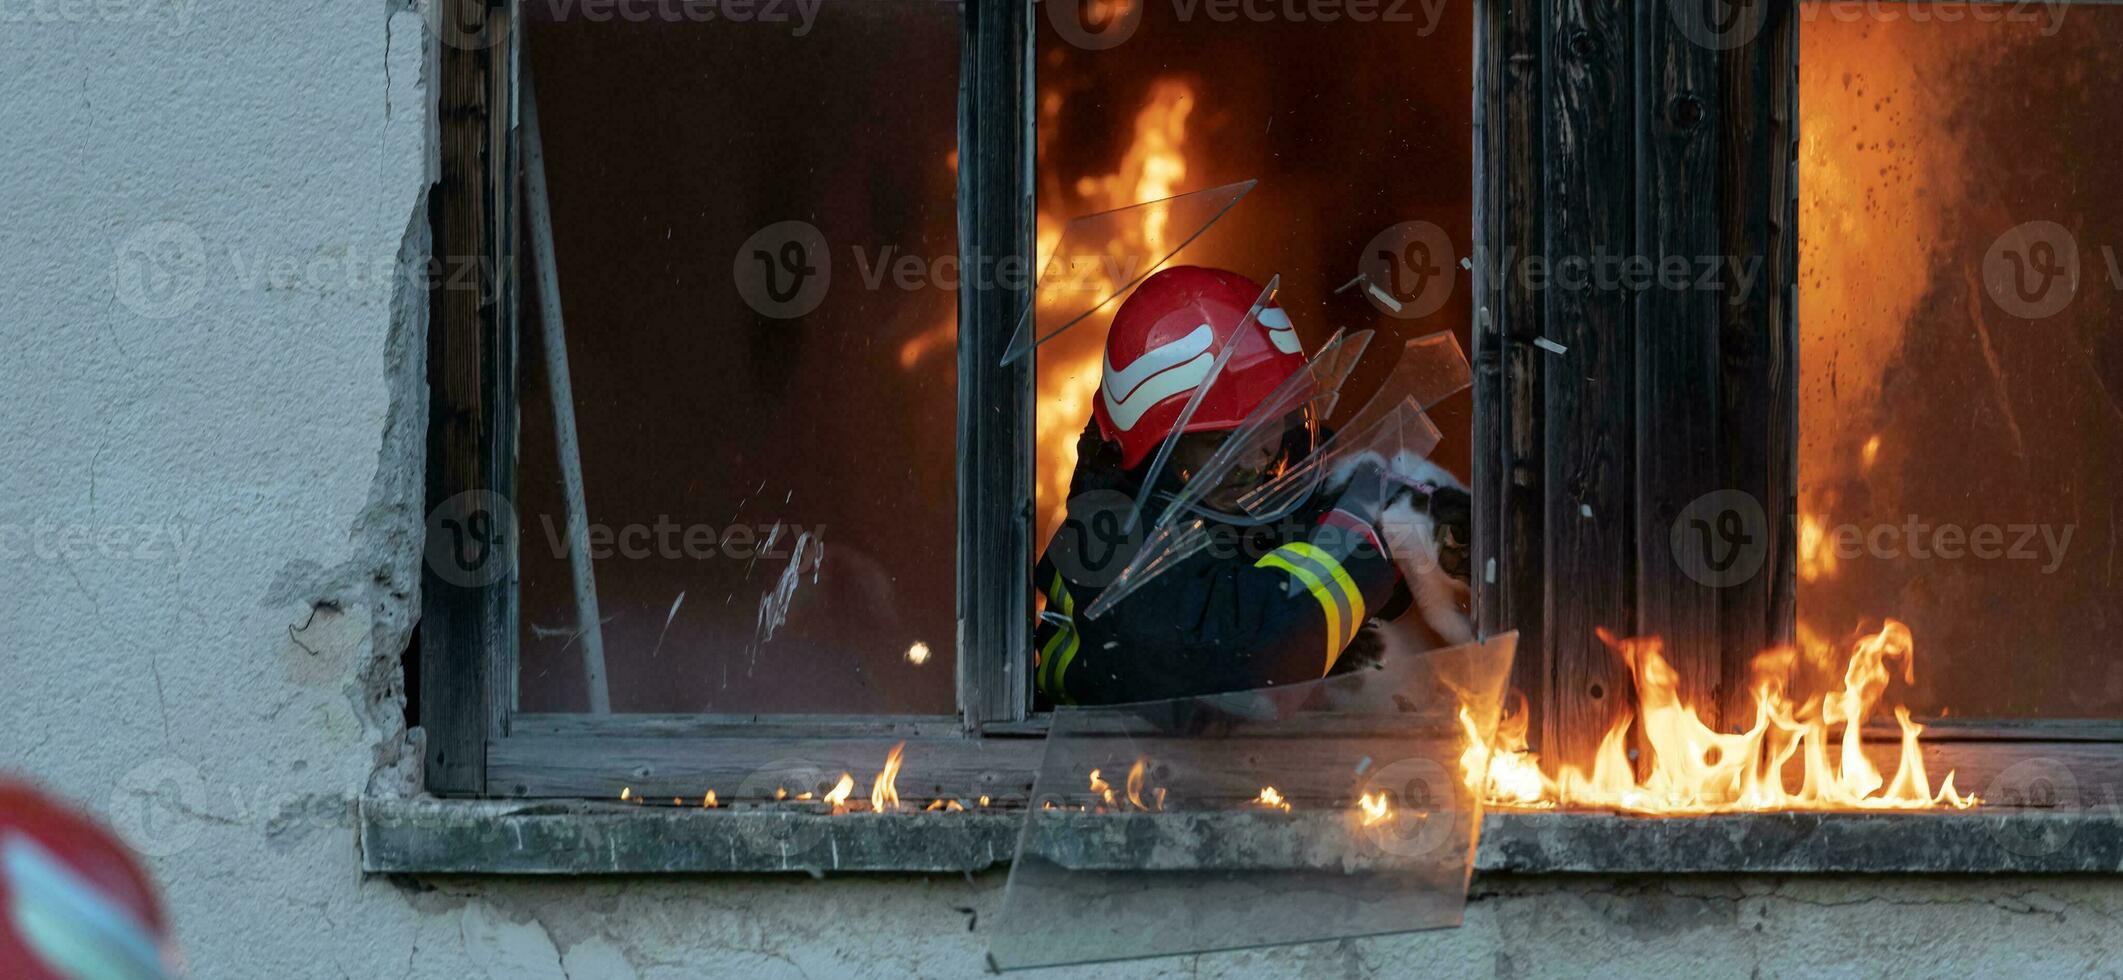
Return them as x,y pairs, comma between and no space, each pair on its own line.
1221,623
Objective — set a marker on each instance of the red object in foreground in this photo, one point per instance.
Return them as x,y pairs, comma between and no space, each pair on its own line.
73,901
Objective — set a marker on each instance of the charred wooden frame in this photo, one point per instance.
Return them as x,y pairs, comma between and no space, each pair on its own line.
467,632
995,445
1603,130
1599,128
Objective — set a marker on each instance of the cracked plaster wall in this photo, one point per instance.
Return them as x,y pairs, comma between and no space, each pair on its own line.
209,524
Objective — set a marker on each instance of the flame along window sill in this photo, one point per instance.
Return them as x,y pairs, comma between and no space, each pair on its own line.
451,837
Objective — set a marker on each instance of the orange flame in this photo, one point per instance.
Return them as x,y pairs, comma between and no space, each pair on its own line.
1101,787
1513,774
1271,799
1374,809
837,797
1690,767
884,792
1135,783
1154,167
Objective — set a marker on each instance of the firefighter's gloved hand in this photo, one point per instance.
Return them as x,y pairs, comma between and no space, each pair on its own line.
1452,508
1417,542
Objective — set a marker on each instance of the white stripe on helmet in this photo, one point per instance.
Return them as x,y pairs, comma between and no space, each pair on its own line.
1280,330
1155,361
1176,380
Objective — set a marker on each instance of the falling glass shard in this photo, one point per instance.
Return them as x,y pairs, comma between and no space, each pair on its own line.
1344,807
1101,256
1430,370
1393,429
1400,437
1297,404
1194,401
1292,410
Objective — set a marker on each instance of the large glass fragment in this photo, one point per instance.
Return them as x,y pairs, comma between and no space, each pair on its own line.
1326,810
1102,256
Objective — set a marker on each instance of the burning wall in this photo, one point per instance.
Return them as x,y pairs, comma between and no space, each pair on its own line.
1927,406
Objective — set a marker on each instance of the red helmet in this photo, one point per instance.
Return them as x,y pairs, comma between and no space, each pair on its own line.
1163,342
73,903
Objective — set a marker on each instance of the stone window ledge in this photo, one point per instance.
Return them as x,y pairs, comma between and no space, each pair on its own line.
429,836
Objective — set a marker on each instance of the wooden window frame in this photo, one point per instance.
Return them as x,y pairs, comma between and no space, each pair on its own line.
477,743
1584,460
1699,160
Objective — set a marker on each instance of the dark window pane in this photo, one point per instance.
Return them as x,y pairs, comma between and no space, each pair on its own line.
1959,420
787,470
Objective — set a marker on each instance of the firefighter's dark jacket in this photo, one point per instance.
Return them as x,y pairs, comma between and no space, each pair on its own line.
1278,604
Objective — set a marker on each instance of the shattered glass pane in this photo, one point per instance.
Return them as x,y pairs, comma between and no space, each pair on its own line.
1300,400
1326,810
1392,425
1102,256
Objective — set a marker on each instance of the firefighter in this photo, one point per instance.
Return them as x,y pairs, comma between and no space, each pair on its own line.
1277,597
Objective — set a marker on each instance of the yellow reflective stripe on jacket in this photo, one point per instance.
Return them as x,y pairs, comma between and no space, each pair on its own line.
1341,579
1330,586
1060,648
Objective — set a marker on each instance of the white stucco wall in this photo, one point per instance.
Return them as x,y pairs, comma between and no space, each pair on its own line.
210,433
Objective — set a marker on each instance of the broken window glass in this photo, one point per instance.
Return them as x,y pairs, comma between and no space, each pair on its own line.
1343,807
758,274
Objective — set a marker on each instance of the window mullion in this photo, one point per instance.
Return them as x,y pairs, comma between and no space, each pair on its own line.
996,225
